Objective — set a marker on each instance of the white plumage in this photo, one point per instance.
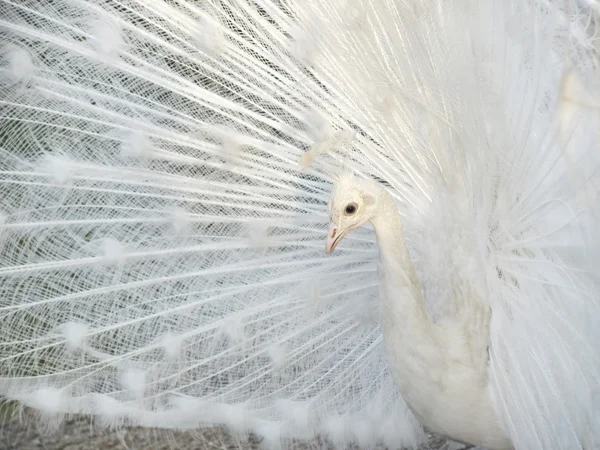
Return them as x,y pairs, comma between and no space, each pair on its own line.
162,252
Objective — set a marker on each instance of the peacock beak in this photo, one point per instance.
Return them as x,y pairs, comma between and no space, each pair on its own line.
333,239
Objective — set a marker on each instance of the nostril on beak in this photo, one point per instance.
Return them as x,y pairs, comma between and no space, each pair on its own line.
331,236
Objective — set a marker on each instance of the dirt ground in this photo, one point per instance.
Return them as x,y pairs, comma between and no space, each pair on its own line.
78,435
21,433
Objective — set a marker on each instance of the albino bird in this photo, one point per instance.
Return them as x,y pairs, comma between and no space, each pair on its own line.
161,247
440,369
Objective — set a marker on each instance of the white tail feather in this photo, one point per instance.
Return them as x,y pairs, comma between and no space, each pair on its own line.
162,255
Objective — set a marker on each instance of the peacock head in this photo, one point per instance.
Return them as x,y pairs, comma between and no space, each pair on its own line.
351,205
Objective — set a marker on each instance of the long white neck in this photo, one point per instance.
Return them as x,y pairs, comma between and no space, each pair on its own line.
434,366
406,323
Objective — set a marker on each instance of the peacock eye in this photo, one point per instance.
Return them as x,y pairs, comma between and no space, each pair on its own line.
350,209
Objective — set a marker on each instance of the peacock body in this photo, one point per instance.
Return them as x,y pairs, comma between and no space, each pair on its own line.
162,249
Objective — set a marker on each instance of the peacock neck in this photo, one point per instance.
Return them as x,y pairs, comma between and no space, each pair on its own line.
396,266
432,364
410,341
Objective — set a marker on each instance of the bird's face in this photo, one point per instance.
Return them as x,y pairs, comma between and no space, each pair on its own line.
349,208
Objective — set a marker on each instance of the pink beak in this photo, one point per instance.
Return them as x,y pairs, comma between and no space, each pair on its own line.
333,238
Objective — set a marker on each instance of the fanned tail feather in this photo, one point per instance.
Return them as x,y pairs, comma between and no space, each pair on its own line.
161,253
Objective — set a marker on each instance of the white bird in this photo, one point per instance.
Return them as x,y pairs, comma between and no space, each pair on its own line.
440,369
161,252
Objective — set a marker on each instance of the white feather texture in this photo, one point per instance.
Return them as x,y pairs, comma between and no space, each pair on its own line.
162,255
